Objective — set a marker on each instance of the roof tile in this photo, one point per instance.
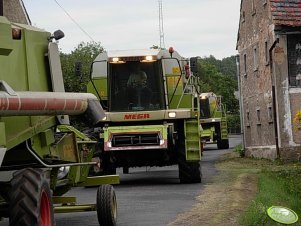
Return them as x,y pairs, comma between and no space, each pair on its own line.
286,12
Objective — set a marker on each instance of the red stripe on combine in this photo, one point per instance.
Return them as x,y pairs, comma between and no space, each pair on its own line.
3,104
33,104
14,104
55,104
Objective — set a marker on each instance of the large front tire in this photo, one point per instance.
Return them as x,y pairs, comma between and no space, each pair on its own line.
30,199
106,205
189,172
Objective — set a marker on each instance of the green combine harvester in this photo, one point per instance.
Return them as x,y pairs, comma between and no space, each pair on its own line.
152,111
213,121
41,156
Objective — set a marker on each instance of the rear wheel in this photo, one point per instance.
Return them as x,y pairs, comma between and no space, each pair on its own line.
106,205
30,198
223,144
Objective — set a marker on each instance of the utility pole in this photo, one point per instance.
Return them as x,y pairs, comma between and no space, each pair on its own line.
161,30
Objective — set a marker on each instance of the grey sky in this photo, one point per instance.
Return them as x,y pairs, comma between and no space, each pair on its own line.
192,27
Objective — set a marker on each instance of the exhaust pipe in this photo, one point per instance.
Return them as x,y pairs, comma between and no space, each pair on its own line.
49,103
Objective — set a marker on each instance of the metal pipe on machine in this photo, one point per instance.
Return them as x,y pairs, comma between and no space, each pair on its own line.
49,103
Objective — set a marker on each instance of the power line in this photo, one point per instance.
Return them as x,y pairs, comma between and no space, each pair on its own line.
86,33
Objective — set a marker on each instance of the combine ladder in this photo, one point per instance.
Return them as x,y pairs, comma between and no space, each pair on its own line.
192,140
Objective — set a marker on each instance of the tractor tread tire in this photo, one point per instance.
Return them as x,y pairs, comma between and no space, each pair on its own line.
189,172
106,205
26,188
223,144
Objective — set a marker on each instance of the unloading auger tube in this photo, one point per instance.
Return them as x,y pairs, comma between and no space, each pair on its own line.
49,103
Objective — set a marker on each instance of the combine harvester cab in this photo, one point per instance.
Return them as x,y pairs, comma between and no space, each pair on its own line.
213,121
41,156
152,116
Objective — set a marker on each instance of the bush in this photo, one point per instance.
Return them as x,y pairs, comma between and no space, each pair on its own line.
233,122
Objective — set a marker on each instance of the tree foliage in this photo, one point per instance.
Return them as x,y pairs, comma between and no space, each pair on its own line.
213,79
226,66
84,53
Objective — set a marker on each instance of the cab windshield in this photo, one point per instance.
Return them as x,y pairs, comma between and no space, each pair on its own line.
136,86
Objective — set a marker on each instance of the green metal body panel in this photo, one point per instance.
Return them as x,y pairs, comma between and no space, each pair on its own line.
68,205
75,208
179,101
28,132
62,149
20,69
5,37
207,132
96,181
102,88
174,83
2,134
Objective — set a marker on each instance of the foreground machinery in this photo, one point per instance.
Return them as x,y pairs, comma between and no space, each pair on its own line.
152,116
41,156
213,121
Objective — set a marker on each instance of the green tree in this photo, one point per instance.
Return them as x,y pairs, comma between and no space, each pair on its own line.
85,53
226,66
212,80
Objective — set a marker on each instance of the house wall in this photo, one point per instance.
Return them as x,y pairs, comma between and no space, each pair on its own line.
255,38
289,102
14,11
257,34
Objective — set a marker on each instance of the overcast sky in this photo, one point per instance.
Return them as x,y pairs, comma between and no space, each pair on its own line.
192,27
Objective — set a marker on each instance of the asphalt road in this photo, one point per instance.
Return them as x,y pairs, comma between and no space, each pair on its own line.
148,196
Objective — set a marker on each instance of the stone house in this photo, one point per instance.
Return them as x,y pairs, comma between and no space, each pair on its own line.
269,46
14,11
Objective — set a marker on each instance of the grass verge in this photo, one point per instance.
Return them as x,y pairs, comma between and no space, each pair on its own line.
278,185
243,191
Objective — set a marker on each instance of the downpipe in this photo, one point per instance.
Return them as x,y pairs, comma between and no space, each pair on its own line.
240,101
274,97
